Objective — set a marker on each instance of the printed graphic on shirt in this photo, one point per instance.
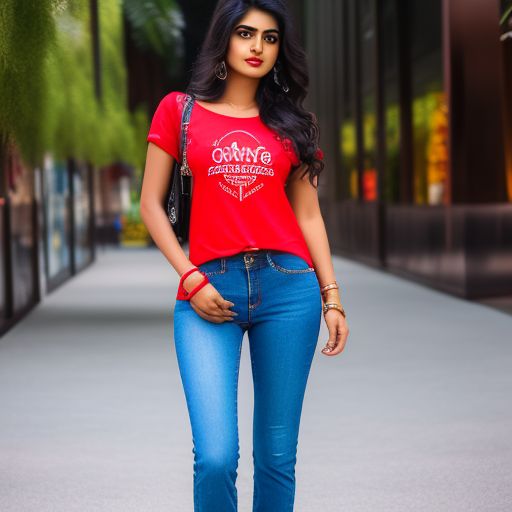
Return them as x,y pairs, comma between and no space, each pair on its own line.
240,163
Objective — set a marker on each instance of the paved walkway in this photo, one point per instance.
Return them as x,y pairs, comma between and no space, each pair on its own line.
415,415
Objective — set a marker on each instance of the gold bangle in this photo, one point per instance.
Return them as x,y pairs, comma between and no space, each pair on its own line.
329,287
333,305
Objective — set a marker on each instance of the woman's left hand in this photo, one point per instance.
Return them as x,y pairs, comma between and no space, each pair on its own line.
338,332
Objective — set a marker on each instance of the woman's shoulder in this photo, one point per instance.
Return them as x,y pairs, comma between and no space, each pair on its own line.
174,99
171,105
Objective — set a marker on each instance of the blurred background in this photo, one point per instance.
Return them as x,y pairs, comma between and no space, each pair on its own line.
414,101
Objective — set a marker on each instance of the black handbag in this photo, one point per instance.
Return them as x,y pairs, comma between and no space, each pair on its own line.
178,199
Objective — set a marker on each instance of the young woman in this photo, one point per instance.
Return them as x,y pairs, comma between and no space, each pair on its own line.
259,258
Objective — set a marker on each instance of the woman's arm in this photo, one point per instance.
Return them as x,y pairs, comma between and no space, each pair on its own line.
156,181
207,302
303,198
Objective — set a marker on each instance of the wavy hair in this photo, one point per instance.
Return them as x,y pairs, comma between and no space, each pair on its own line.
282,112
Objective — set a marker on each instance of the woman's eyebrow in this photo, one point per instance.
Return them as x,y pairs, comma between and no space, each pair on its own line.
255,29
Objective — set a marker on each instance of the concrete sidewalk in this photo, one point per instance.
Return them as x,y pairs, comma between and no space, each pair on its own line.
415,415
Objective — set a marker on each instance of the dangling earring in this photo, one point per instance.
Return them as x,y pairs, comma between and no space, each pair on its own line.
276,79
220,70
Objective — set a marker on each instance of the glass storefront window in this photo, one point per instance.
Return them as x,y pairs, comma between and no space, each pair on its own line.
348,144
429,106
347,131
82,215
506,42
20,188
368,91
430,125
57,216
3,245
390,78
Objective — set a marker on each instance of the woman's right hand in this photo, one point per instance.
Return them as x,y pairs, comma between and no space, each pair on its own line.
208,303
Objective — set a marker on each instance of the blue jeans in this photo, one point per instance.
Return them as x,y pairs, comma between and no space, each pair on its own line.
278,301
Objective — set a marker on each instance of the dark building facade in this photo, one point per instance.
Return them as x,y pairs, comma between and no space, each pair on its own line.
413,100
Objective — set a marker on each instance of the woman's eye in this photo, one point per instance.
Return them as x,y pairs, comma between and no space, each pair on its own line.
271,39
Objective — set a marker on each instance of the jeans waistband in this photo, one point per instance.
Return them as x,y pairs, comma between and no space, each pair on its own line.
252,259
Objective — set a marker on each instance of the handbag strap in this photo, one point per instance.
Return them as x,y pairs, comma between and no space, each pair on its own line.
185,121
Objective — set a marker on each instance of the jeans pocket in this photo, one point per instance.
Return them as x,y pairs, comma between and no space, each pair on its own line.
288,263
213,267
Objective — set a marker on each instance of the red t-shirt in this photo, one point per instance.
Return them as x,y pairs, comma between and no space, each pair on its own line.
239,168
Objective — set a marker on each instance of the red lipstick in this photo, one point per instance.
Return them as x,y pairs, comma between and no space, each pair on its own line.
254,61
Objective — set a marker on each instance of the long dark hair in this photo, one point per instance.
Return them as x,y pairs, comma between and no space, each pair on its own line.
280,111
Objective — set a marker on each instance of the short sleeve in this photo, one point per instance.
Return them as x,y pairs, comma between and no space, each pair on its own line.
165,125
290,151
293,154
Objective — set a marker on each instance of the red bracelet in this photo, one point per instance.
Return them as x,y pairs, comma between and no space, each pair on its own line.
192,292
187,273
182,293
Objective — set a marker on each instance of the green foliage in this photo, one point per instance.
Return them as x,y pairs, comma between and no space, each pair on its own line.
156,26
506,8
125,135
47,83
26,31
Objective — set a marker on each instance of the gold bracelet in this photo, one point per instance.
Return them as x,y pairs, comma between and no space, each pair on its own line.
333,305
329,286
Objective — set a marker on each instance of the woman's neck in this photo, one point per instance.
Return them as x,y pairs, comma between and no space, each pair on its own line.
240,92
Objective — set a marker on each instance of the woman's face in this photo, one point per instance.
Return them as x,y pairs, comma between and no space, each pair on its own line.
255,36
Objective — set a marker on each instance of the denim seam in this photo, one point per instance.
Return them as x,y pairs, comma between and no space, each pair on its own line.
248,295
221,271
277,267
258,300
236,400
